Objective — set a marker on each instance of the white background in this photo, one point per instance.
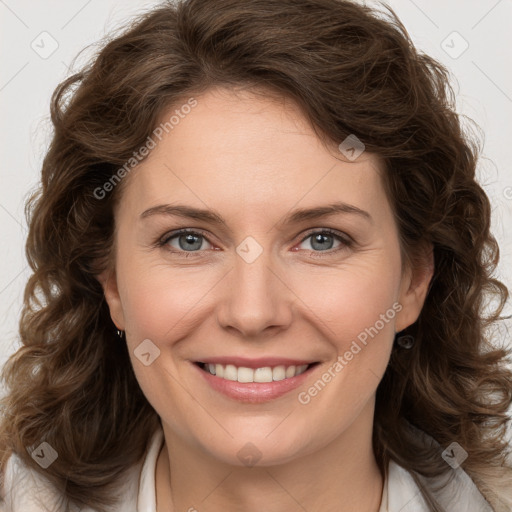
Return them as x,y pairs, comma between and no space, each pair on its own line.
483,86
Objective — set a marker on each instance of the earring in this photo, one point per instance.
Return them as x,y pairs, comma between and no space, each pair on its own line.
120,333
406,341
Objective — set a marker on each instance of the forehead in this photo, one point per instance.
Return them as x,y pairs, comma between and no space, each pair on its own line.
244,149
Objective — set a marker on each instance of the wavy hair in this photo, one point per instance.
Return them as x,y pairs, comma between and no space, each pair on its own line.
352,70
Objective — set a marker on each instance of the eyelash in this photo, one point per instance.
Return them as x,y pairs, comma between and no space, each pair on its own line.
347,242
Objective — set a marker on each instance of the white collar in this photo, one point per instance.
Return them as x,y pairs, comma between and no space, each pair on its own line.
28,491
400,492
146,501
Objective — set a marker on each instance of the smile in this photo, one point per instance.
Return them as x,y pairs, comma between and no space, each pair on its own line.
244,374
257,381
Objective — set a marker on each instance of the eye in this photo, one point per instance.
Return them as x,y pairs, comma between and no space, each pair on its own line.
184,241
322,241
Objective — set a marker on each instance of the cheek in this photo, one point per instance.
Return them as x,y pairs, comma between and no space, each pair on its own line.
160,302
355,309
356,317
352,299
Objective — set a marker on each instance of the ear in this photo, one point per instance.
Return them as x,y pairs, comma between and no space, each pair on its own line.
414,287
108,281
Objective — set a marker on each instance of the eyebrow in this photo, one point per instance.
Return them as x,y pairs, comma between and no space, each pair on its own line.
294,217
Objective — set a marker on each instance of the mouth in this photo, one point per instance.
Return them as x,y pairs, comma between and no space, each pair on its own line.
263,374
254,383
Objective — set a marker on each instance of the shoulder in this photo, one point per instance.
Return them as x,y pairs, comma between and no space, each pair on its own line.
27,490
455,491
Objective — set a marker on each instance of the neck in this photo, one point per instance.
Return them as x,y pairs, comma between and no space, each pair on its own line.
341,477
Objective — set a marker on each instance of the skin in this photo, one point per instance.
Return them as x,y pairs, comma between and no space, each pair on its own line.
253,159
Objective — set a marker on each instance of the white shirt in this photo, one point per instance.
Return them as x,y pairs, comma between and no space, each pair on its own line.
28,491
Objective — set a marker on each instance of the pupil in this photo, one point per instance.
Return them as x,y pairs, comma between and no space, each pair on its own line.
190,240
320,239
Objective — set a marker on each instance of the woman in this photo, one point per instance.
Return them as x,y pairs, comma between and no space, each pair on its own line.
260,262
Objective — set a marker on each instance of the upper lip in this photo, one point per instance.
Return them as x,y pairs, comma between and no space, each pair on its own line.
259,362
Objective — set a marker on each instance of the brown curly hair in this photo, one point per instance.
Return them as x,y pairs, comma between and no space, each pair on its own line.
352,70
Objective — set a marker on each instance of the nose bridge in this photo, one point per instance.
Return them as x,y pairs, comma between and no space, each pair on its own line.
256,298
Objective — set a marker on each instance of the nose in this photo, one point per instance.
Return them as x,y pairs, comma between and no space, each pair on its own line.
257,300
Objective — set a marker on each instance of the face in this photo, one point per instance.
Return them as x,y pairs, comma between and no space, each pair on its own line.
257,286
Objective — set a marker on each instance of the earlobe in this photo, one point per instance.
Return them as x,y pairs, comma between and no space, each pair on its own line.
415,287
108,281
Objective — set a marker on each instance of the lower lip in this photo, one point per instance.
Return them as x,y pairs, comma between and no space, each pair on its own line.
254,392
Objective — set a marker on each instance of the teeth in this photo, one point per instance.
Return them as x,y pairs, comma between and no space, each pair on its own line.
290,371
262,374
243,374
230,372
279,373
